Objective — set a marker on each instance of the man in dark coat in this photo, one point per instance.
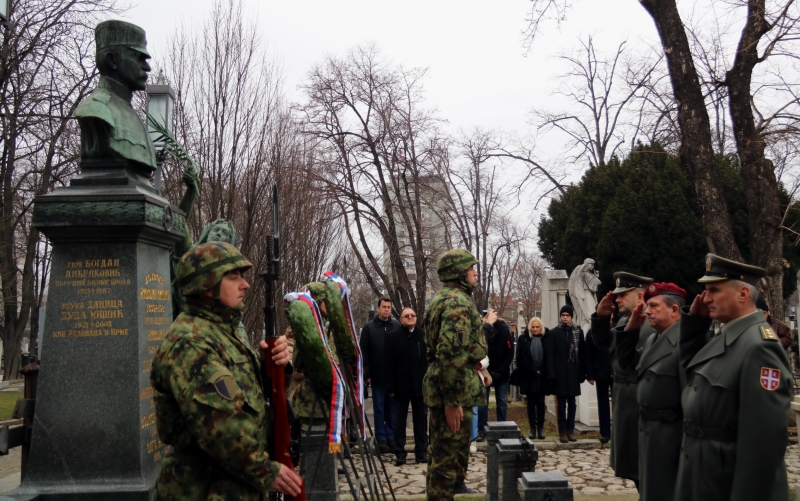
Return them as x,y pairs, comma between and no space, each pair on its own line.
501,354
567,367
628,293
739,387
658,392
603,379
373,343
405,367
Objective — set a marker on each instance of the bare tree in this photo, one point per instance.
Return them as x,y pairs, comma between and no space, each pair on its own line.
375,139
232,117
602,90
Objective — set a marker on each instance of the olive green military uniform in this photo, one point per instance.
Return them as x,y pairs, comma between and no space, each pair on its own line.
455,346
658,392
735,404
625,411
210,405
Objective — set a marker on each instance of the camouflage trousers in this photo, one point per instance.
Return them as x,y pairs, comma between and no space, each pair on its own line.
449,458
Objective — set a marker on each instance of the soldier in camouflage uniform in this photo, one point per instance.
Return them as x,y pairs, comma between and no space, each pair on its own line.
451,386
210,404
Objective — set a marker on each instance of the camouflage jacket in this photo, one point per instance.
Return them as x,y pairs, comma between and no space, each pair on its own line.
455,345
210,408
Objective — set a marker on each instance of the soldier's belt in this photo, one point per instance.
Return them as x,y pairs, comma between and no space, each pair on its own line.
660,414
704,432
625,378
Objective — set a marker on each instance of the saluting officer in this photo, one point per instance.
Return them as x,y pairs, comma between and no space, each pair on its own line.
658,392
736,402
628,293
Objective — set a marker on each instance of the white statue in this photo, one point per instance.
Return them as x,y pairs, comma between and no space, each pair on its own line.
583,284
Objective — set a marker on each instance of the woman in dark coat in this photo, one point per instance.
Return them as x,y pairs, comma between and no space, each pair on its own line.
531,361
568,366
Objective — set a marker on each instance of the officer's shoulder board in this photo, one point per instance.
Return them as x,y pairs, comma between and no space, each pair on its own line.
768,333
224,384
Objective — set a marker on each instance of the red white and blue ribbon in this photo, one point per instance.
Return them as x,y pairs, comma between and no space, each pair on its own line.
338,390
344,290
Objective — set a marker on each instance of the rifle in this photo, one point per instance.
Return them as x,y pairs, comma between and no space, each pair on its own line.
280,436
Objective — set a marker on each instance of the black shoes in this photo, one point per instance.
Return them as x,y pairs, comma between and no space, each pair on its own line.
399,462
481,436
422,460
463,489
532,435
541,433
383,447
604,439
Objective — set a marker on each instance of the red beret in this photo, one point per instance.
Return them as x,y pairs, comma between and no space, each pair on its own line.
658,288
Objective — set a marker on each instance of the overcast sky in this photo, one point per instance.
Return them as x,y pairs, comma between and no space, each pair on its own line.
478,72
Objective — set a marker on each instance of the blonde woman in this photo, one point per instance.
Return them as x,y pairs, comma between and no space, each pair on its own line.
531,360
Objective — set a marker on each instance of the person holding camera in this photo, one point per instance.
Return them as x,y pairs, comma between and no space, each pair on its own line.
501,353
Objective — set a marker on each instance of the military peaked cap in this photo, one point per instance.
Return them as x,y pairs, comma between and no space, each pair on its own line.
120,33
625,282
719,269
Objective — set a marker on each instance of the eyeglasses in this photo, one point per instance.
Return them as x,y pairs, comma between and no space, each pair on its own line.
409,316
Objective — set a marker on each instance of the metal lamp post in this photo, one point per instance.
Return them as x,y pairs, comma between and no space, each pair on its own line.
5,11
160,105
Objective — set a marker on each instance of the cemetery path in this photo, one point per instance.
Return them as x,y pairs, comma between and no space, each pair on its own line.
586,469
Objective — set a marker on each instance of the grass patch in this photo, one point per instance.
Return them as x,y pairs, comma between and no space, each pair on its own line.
7,403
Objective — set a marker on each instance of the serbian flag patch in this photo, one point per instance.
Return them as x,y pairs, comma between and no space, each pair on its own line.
770,378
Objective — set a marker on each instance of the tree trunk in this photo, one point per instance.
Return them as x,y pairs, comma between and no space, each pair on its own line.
758,173
695,151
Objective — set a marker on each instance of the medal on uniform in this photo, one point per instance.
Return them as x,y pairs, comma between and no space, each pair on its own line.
770,378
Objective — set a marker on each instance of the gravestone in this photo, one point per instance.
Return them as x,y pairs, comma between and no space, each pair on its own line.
515,456
496,430
544,486
109,306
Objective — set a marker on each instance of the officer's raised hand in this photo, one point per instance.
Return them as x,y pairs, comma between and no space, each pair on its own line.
637,317
606,305
699,307
287,482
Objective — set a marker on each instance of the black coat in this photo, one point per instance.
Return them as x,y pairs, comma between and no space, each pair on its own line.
600,360
406,363
373,344
535,382
565,376
500,344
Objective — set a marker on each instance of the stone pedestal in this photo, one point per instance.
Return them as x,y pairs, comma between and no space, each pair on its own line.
94,434
544,486
515,456
318,466
494,432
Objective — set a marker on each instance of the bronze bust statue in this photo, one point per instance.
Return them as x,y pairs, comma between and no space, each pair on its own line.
111,131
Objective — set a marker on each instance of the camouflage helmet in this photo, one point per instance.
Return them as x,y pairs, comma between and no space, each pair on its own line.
203,267
454,263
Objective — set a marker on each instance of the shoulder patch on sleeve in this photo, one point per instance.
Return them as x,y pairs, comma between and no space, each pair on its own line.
768,333
224,384
770,378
